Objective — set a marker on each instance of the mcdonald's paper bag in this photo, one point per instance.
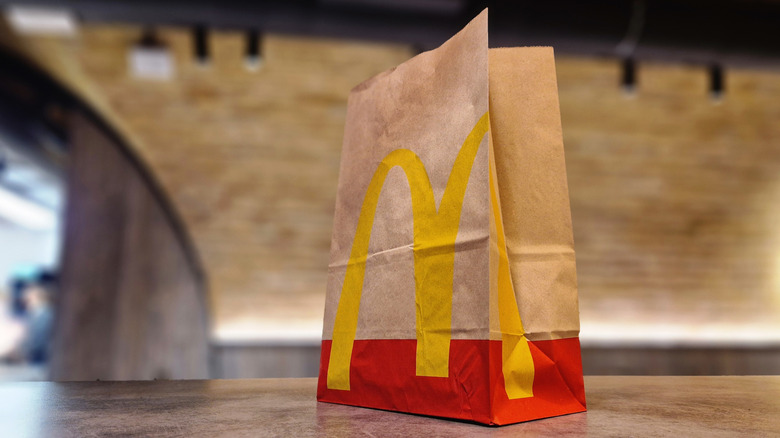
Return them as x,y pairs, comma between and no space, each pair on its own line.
452,286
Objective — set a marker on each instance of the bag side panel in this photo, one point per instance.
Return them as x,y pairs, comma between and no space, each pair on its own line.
530,173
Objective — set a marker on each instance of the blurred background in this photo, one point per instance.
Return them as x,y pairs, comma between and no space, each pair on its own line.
168,173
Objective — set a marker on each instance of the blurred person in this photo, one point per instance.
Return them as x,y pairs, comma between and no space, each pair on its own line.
11,330
40,318
18,308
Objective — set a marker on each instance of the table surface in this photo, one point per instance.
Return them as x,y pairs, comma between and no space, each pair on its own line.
617,406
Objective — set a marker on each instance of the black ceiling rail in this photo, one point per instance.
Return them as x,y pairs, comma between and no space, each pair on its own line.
726,32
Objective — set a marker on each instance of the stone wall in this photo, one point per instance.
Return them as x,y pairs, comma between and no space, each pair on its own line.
674,197
250,158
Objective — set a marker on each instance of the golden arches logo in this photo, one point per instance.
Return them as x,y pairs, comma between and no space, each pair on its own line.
434,257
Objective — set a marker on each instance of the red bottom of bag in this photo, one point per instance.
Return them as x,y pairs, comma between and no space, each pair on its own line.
383,376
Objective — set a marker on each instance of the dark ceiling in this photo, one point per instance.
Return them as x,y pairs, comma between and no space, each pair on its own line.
744,33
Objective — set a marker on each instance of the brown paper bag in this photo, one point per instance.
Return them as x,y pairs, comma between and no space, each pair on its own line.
452,284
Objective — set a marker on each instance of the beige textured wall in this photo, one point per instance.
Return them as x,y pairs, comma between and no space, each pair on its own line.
250,158
674,198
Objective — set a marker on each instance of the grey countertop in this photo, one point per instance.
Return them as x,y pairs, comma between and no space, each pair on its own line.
617,406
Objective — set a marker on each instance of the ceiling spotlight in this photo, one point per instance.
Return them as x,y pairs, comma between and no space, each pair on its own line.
42,20
254,50
200,37
628,79
150,58
717,85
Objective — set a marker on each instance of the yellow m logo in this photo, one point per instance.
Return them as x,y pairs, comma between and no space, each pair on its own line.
435,233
